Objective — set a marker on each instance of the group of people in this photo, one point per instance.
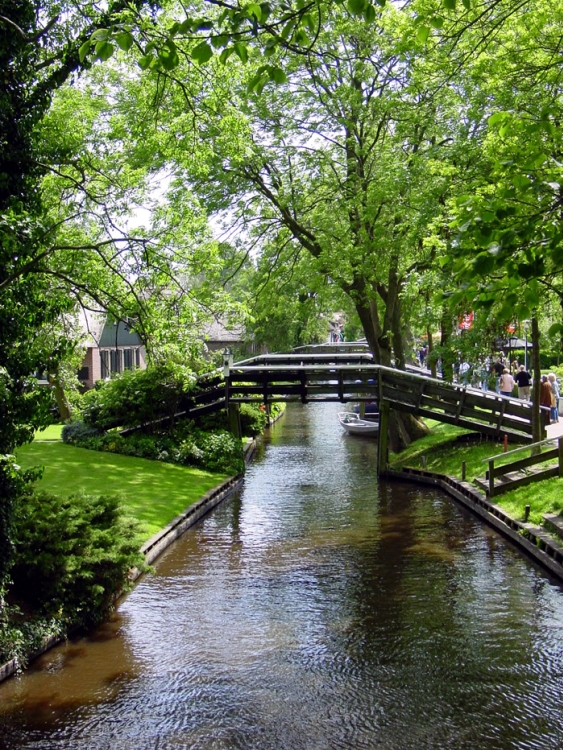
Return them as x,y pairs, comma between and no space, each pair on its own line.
504,376
549,395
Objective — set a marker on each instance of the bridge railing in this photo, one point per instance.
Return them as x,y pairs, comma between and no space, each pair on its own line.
280,379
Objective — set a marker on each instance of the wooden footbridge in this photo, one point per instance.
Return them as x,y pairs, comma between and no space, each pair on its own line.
339,376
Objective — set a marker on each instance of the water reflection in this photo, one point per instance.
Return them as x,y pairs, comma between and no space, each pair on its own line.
315,610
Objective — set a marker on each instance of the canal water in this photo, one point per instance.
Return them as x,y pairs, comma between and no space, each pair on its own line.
314,610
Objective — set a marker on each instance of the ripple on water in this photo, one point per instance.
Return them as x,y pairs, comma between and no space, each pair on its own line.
314,610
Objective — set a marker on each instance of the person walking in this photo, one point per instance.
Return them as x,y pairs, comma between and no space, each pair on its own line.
523,381
545,399
497,369
554,397
506,383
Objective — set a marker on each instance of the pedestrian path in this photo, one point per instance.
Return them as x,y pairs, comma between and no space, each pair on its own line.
555,430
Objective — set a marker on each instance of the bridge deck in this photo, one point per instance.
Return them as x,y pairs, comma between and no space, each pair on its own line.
322,379
342,377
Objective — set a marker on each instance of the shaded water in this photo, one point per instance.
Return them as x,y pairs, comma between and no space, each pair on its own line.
314,610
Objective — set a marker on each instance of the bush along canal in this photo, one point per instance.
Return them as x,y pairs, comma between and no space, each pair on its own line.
315,609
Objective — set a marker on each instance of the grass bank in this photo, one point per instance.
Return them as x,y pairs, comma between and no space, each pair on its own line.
154,492
444,453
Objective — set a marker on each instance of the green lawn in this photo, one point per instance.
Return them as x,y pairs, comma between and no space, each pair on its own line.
53,432
445,456
154,492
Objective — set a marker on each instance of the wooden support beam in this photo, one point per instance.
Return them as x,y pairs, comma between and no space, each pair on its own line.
234,420
303,378
383,438
460,405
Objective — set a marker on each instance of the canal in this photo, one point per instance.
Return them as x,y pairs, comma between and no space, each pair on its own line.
314,610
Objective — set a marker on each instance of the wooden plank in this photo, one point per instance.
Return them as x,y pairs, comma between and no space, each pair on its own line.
524,463
529,479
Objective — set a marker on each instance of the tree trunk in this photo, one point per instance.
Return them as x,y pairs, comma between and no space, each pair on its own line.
60,396
445,335
403,428
430,359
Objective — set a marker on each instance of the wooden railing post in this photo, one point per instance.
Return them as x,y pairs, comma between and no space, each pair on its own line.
491,477
383,437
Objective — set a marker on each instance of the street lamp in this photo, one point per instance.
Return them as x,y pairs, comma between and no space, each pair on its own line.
227,361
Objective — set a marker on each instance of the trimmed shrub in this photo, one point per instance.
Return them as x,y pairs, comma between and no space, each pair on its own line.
136,397
221,451
74,433
252,419
73,555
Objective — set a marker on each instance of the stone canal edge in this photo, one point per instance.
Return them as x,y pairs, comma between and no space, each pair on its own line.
532,540
156,545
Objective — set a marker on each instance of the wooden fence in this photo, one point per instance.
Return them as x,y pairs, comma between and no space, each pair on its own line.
510,475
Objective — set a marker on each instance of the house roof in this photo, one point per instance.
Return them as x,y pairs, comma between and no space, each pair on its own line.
218,331
101,332
92,323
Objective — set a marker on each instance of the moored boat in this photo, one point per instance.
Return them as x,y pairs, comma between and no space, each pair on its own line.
354,425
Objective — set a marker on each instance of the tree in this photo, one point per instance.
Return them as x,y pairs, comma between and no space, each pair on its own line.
337,163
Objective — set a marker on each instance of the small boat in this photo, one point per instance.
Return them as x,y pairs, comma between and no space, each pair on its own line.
356,426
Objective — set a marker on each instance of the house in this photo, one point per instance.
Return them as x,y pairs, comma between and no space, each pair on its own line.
218,336
111,347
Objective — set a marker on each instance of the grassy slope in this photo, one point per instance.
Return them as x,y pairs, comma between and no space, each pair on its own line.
445,456
154,492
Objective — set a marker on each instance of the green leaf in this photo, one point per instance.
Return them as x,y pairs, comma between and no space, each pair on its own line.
124,40
525,270
369,14
219,41
225,54
202,53
555,329
356,7
83,51
466,4
483,264
422,34
104,50
277,75
381,3
241,50
301,38
532,297
449,4
145,62
437,22
100,35
496,118
287,29
253,9
169,58
310,22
